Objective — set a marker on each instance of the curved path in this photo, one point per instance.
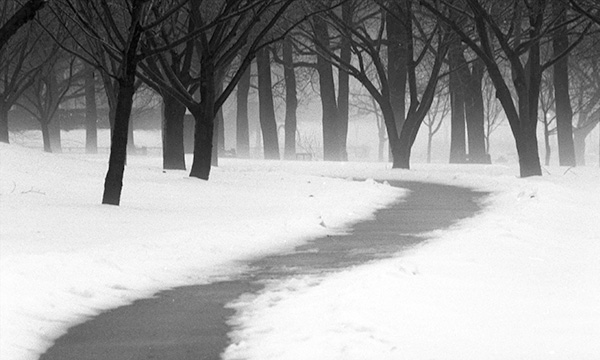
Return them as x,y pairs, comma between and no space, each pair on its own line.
190,322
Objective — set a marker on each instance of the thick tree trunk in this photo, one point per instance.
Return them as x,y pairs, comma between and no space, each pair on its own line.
389,120
474,111
113,183
529,160
291,101
564,112
4,123
91,113
268,123
203,140
242,128
204,116
397,53
172,134
331,138
21,17
458,147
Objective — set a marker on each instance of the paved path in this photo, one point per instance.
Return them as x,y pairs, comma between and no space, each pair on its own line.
190,322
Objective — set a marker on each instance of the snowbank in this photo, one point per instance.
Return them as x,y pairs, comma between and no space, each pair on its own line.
519,281
64,257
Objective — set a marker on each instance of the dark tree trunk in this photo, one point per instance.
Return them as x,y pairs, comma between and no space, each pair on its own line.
530,162
389,120
91,113
268,123
113,183
21,17
172,134
331,138
204,116
203,140
418,107
4,123
529,159
564,112
397,68
242,128
458,146
474,111
291,101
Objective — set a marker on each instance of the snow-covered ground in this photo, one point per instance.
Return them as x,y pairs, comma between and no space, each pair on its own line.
521,280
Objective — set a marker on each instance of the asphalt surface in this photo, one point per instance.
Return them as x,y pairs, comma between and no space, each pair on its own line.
190,322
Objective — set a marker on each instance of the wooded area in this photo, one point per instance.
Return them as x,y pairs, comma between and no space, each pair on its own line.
413,64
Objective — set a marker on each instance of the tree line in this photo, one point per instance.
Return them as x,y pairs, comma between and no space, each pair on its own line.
533,60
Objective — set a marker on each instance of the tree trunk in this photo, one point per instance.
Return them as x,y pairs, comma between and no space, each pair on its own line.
564,112
331,138
4,123
291,101
204,116
529,160
113,183
458,147
268,123
474,111
397,67
91,112
172,134
242,128
389,120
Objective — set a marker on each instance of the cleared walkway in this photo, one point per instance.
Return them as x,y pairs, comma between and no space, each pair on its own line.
190,322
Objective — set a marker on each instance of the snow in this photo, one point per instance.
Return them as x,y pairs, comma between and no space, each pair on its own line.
519,280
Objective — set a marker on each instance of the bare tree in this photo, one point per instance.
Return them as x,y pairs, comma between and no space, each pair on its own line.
514,31
18,68
21,16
